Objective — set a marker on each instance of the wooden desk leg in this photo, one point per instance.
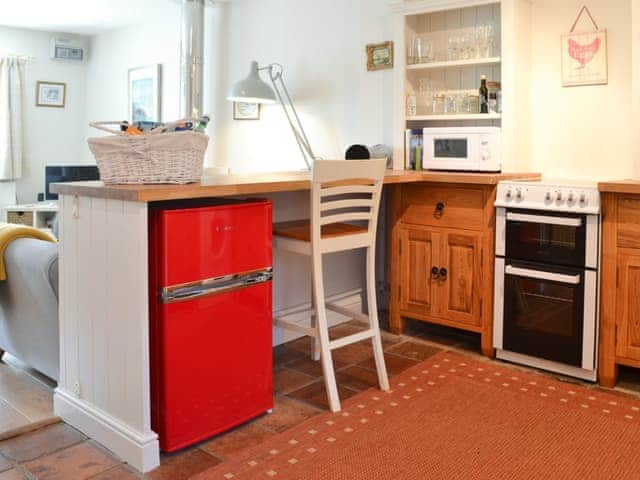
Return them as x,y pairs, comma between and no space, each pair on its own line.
607,368
488,267
487,345
608,373
396,322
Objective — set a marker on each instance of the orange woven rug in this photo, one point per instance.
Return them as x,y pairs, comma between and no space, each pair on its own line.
452,417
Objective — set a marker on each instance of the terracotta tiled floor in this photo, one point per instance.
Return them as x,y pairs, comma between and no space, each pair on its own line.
60,452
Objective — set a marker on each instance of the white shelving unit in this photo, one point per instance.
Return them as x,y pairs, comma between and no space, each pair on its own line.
508,64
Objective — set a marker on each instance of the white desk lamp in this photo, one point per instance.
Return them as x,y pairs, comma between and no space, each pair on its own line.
254,90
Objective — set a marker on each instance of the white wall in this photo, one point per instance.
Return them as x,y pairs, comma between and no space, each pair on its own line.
114,53
52,135
582,131
322,47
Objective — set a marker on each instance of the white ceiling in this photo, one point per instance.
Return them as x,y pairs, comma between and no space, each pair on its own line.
87,17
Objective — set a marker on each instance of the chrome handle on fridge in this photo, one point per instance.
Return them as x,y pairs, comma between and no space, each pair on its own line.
548,219
540,275
214,286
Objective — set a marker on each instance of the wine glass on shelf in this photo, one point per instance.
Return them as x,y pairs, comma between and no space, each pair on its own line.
487,40
468,44
453,46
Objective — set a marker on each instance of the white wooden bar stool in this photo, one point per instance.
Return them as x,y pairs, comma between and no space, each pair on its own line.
342,192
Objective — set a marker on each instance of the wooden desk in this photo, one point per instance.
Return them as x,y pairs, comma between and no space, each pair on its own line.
260,184
104,387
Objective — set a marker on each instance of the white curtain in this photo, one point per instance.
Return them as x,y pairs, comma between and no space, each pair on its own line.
11,134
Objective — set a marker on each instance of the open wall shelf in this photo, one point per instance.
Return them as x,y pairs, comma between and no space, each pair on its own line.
455,63
455,117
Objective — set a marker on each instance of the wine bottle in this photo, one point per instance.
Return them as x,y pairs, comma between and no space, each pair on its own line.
484,95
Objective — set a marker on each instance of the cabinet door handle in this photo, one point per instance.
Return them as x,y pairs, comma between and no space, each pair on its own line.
435,273
443,273
439,209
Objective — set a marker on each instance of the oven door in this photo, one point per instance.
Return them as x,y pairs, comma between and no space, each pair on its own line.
546,237
544,311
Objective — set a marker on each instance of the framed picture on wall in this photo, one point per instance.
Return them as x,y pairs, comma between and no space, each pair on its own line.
584,59
379,56
246,111
584,54
51,94
145,98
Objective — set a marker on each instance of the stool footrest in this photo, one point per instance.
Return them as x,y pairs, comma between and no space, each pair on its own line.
347,312
295,327
349,339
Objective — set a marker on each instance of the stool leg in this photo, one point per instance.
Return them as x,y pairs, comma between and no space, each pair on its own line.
315,344
378,352
323,334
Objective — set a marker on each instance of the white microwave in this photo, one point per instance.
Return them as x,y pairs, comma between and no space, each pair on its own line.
475,149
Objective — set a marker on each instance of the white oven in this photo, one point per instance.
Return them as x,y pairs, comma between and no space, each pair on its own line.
462,148
546,276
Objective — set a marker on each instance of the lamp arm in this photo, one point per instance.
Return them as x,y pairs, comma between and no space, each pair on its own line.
292,116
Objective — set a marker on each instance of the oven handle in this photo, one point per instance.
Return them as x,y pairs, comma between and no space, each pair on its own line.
523,217
554,277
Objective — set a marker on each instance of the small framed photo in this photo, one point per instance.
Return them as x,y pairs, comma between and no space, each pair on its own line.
246,111
51,94
145,99
379,56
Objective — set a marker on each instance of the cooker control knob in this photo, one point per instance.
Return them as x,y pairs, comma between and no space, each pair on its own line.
509,194
571,198
548,197
583,199
519,194
559,196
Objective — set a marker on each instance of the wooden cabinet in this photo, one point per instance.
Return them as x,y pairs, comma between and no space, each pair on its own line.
442,257
620,282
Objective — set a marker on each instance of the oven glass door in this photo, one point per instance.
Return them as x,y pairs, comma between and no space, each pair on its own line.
546,237
544,311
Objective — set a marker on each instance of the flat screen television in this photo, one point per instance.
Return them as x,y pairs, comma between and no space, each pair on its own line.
68,173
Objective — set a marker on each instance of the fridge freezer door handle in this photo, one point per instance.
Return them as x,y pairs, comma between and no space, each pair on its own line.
214,286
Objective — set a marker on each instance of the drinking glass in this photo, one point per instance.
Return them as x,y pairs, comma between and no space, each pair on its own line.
487,40
451,103
412,106
438,103
418,49
453,48
467,50
426,91
428,52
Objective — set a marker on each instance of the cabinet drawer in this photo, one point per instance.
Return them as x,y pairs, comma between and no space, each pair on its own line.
629,222
20,218
461,207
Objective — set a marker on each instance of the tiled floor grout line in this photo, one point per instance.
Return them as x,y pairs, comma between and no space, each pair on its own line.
210,453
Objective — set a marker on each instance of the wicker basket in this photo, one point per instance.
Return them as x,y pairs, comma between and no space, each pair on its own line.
175,157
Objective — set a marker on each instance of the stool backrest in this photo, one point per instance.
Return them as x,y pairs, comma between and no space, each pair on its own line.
346,191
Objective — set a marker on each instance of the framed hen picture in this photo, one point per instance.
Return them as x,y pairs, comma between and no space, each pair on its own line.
584,59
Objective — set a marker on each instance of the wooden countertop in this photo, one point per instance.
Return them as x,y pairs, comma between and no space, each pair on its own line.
262,183
620,186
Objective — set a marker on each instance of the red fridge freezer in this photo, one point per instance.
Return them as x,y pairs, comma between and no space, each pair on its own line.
210,267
